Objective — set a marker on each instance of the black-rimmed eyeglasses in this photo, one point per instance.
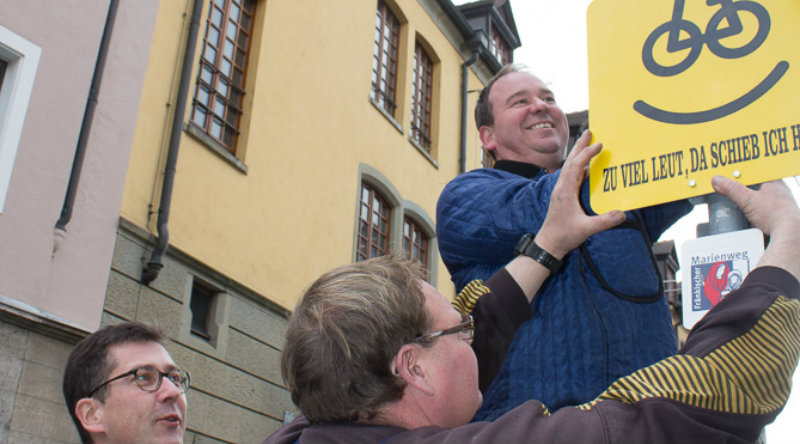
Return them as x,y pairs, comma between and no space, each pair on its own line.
465,330
149,379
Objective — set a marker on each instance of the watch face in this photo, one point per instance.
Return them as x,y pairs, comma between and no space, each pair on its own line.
523,245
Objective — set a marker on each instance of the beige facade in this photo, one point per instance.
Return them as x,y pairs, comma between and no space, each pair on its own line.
248,227
292,186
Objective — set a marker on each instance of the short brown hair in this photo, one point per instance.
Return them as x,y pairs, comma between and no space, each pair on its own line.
344,332
483,109
89,364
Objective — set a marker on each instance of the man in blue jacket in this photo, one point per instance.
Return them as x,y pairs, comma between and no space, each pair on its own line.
375,355
602,314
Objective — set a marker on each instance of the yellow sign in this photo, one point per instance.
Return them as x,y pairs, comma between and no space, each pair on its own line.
682,90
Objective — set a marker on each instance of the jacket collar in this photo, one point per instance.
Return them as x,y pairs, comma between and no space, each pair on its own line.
527,170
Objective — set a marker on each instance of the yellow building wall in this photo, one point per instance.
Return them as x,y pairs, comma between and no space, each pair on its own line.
309,124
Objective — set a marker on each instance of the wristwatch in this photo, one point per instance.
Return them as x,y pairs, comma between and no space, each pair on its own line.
528,247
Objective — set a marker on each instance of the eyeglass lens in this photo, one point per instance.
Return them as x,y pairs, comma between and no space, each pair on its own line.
149,378
467,334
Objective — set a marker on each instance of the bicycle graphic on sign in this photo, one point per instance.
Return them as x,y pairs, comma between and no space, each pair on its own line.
715,33
729,12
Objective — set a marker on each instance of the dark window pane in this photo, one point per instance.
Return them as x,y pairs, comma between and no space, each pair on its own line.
201,303
228,136
231,118
235,96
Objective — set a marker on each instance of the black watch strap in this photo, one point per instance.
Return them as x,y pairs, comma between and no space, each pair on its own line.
528,247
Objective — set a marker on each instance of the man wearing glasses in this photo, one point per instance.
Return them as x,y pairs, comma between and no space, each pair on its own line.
122,386
375,355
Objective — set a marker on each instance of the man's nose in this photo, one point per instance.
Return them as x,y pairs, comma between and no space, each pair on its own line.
169,389
538,105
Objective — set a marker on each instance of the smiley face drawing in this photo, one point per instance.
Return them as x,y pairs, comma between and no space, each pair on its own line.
728,14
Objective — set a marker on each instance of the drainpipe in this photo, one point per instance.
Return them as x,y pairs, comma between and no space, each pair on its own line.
464,90
154,265
86,127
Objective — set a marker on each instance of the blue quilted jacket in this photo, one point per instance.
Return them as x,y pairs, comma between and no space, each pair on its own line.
599,318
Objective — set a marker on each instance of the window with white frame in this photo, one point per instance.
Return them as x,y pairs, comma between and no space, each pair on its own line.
415,243
373,224
386,223
20,60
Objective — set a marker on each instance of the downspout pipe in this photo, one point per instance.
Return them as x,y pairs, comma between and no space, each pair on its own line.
464,101
86,125
154,265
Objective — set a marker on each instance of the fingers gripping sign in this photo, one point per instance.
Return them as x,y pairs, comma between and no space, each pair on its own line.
567,225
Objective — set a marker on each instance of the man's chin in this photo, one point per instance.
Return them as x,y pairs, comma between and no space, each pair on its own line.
170,439
170,436
547,147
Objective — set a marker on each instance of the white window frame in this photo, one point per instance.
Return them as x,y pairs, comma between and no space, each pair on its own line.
22,57
399,209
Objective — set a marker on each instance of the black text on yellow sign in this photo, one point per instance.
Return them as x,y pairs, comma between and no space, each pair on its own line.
682,90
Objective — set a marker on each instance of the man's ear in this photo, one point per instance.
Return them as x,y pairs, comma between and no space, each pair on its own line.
89,412
486,134
410,366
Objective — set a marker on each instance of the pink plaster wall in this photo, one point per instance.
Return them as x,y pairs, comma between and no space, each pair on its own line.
72,283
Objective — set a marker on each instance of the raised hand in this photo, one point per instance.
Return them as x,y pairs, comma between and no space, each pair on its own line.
566,225
775,212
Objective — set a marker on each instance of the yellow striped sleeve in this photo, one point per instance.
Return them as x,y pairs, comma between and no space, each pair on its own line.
465,302
750,374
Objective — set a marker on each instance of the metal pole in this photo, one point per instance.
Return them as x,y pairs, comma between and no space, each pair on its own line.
723,216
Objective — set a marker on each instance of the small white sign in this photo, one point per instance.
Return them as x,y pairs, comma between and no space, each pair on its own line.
713,266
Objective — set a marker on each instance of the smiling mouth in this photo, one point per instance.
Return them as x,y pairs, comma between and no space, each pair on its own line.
542,125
